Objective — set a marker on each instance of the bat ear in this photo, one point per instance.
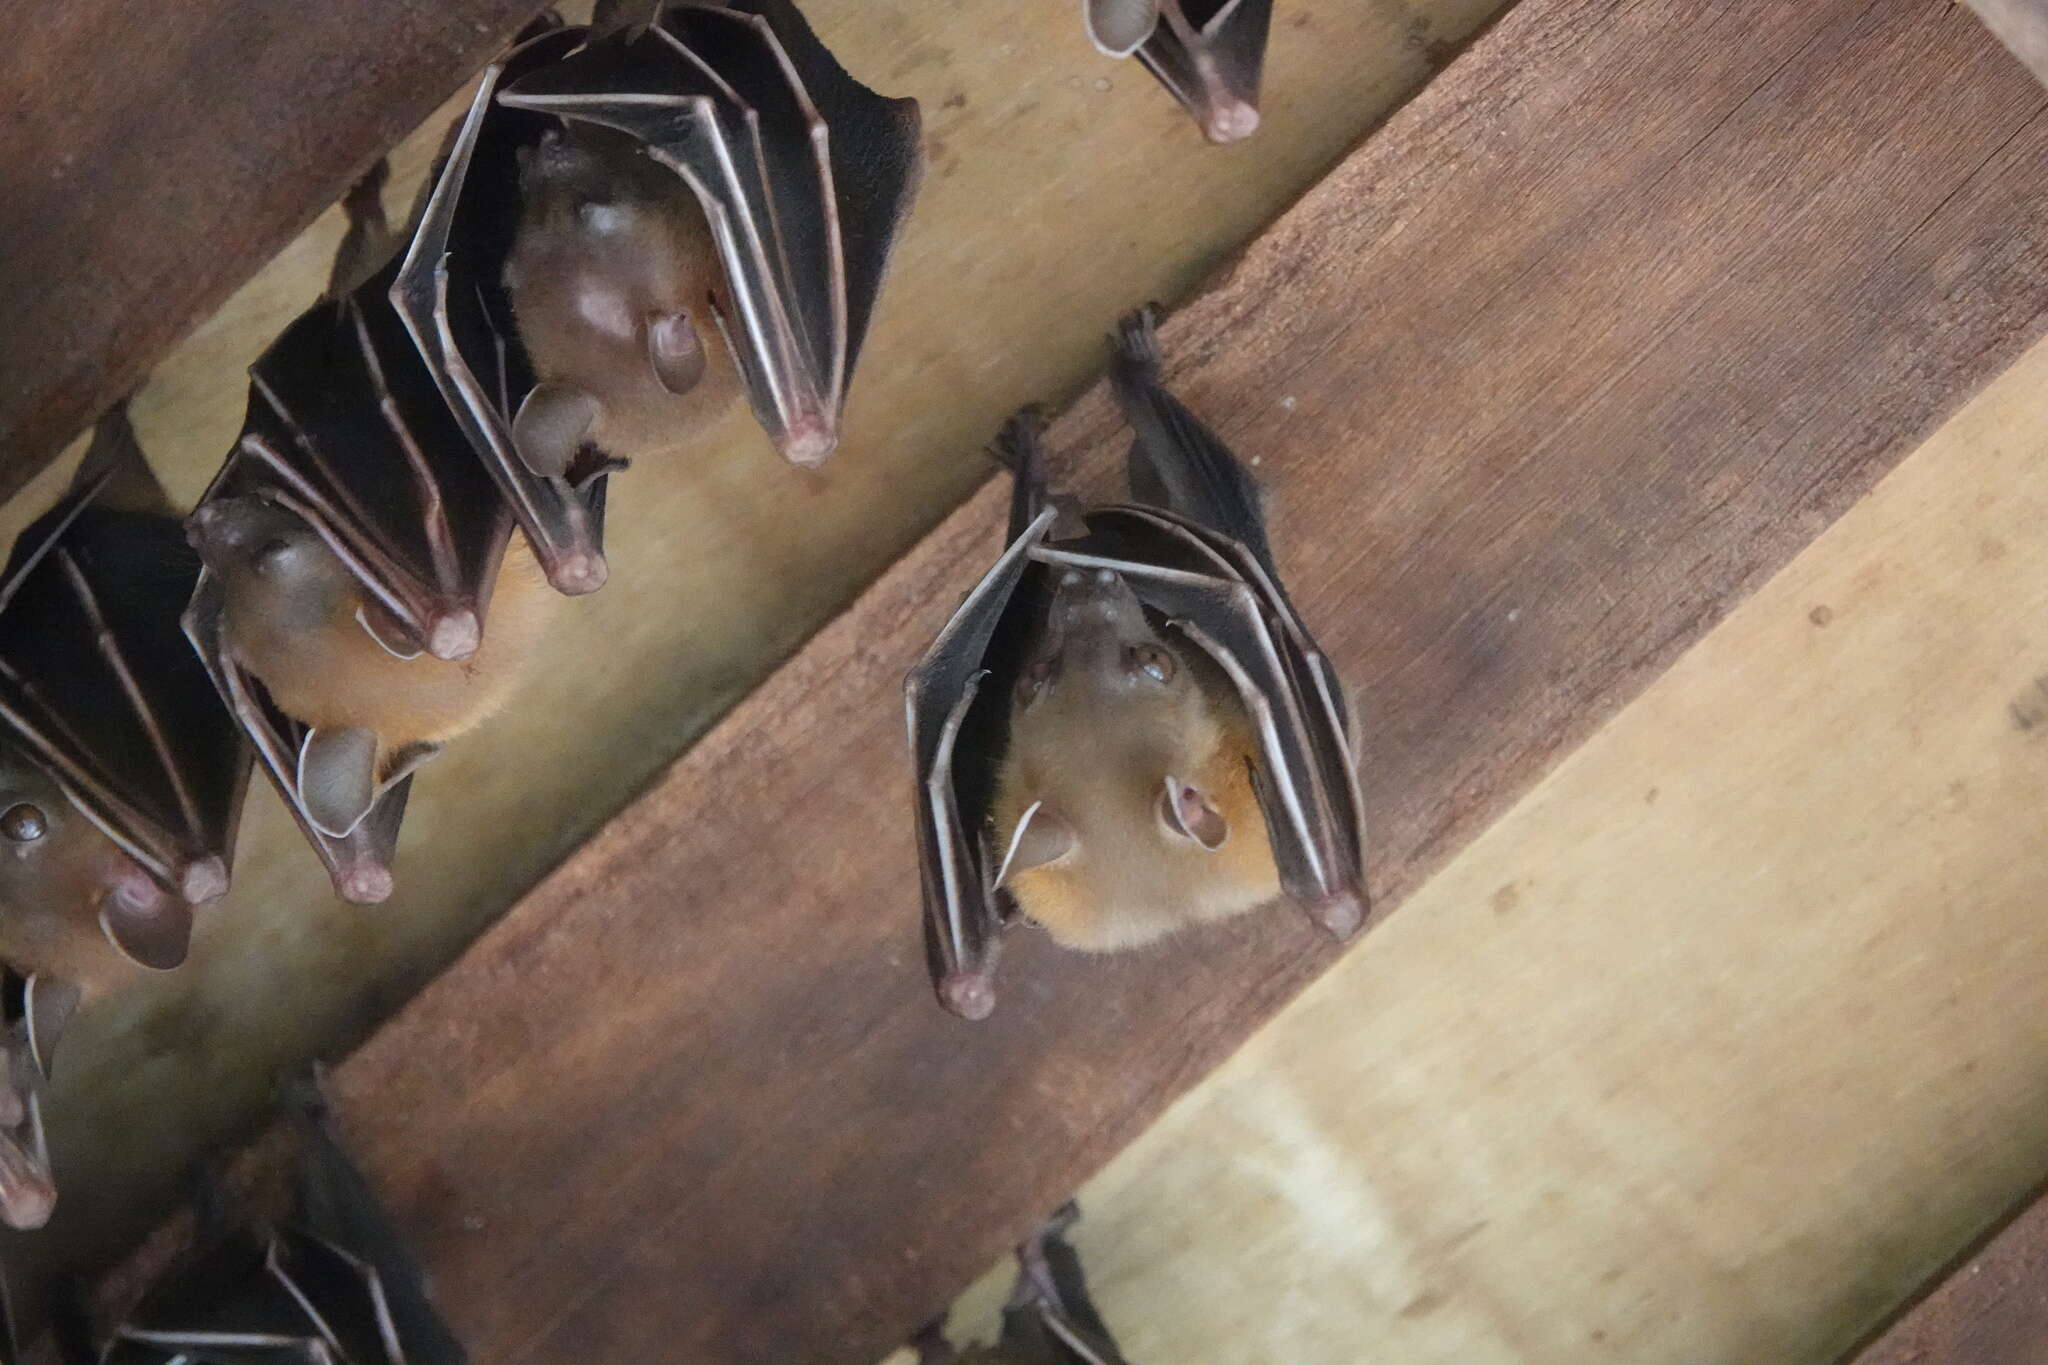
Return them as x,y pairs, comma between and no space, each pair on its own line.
1043,836
676,351
1187,812
337,778
46,1010
1120,27
380,625
153,931
552,424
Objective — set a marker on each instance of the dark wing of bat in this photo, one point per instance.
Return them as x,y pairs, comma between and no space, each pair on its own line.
804,175
99,688
1050,1316
1210,54
957,733
332,1287
348,430
450,292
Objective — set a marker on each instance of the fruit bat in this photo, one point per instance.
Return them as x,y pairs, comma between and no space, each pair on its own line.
121,776
1208,53
331,1284
1050,1318
1126,727
353,545
637,221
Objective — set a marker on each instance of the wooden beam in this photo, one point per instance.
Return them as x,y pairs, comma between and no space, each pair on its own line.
1579,348
154,159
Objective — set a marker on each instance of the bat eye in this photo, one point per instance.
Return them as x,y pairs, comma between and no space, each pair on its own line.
1155,663
24,822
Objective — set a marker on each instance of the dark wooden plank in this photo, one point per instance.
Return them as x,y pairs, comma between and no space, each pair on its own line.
1580,347
1989,1308
154,157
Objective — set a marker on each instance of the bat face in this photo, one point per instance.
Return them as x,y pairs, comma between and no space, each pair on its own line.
1209,54
614,281
1126,728
68,892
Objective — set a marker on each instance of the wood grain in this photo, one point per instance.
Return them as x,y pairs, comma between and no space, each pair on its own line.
2022,25
154,159
1587,341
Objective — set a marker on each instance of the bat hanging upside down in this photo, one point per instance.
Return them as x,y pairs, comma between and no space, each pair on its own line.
1126,728
1050,1318
616,285
296,619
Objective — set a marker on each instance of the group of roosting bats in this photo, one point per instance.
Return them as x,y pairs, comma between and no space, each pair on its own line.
1125,727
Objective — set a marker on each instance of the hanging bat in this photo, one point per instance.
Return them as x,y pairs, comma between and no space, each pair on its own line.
1050,1318
333,1284
1208,53
352,544
121,777
1126,727
640,220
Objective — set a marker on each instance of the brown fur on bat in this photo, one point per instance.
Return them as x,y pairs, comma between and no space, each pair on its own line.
1050,1318
684,202
121,776
1209,54
1126,728
364,599
328,1280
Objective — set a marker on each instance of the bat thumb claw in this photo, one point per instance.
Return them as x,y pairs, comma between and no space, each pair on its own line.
1230,121
971,995
363,884
1342,913
203,879
809,441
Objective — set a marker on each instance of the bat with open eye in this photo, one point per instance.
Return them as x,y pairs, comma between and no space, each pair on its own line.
1050,1318
1208,53
1126,728
644,219
121,775
353,545
330,1284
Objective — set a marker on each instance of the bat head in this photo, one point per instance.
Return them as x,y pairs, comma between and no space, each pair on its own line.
275,570
1112,729
60,875
613,272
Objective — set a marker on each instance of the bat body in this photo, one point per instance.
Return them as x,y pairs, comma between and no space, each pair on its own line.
121,776
1126,728
645,218
363,600
615,281
1125,796
332,1284
1209,54
1050,1318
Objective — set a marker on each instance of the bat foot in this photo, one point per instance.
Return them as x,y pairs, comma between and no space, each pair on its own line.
368,884
204,879
1342,914
970,995
1230,121
28,1196
455,635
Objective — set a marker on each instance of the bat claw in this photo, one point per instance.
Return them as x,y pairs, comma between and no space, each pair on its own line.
971,995
1342,914
1230,121
578,572
364,884
203,879
455,635
809,441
